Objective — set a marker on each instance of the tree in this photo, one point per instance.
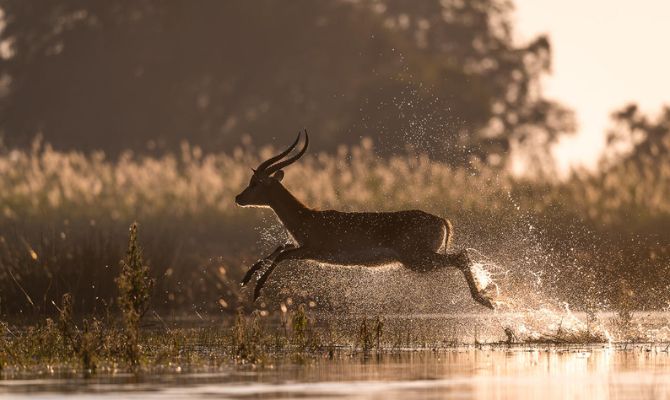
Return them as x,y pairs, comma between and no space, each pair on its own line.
635,138
442,77
476,85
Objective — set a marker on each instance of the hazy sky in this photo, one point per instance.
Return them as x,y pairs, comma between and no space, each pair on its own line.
606,53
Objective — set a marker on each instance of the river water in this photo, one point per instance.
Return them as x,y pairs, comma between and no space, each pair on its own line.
490,372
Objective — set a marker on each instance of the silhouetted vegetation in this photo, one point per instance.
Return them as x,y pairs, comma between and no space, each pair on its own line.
65,350
443,77
636,138
135,287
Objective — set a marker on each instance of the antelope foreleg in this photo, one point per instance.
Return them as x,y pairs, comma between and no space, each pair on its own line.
290,254
258,264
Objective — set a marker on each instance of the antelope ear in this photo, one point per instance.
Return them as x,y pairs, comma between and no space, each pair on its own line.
279,175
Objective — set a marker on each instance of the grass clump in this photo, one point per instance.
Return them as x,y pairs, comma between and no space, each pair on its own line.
135,286
301,325
84,343
370,334
247,339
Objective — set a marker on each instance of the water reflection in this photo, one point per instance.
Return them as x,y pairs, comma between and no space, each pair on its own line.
601,372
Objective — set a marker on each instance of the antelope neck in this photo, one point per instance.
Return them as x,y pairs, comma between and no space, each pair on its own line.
291,212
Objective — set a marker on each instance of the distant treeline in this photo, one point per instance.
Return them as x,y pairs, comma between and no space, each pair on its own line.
442,77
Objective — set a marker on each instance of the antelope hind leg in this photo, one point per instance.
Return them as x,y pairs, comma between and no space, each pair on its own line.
429,261
465,264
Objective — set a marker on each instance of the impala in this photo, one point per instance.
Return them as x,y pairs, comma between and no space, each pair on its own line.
413,238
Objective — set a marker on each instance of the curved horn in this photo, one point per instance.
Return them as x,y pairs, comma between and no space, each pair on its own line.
279,156
291,160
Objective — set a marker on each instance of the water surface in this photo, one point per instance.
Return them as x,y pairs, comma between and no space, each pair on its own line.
500,372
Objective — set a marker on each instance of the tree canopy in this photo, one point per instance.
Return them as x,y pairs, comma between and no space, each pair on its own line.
443,77
637,138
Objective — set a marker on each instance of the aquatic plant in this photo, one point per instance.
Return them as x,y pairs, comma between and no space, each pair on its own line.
247,339
370,334
135,285
84,343
299,324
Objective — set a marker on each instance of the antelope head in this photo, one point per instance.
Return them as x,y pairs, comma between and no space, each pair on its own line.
265,183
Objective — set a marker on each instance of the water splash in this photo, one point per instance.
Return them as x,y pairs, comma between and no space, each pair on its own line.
526,314
517,275
482,276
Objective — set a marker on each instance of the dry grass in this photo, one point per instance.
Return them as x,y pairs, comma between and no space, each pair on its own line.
64,215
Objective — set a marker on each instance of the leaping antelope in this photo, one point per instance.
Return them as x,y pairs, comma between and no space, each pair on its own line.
413,237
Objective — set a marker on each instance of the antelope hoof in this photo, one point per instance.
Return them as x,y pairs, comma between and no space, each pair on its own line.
486,302
483,296
250,273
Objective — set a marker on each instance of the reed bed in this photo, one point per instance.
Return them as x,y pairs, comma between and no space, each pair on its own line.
64,219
